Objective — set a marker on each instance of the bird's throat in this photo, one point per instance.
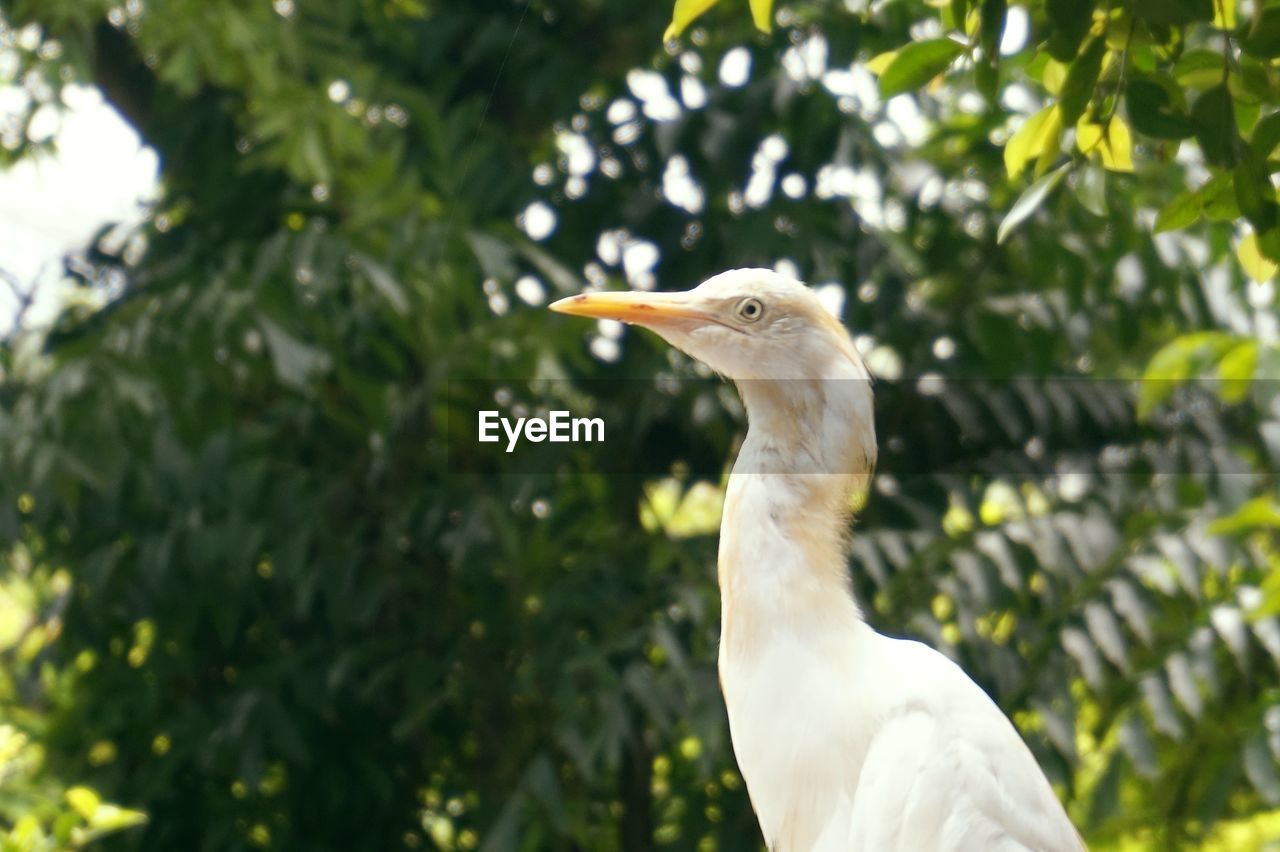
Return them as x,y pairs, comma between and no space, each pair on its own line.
785,529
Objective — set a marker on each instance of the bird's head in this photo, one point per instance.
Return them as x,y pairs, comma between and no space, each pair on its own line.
745,324
807,391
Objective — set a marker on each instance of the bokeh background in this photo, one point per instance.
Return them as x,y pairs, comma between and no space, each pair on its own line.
257,595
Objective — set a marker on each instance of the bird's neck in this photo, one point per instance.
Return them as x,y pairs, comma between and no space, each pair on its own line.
785,530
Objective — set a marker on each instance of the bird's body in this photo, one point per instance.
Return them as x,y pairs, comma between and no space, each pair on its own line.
847,739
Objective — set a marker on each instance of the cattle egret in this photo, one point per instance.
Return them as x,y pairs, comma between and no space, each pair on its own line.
847,739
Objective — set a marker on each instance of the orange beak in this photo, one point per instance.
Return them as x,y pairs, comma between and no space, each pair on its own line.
633,307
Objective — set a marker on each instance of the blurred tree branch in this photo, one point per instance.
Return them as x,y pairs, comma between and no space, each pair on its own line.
125,80
24,297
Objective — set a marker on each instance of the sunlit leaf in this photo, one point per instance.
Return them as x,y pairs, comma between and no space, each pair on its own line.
1252,261
110,818
84,800
1055,74
762,15
696,512
1117,148
1000,502
1258,513
1115,145
880,62
1236,369
1175,363
1028,142
1224,14
1050,144
685,13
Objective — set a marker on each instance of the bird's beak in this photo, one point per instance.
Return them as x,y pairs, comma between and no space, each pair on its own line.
648,309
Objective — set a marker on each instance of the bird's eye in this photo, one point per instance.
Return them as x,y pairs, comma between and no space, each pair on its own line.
750,310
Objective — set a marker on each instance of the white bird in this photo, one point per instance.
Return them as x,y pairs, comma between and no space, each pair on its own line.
847,739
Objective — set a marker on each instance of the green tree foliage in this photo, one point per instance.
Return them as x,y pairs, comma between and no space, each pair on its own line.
317,619
40,813
1194,70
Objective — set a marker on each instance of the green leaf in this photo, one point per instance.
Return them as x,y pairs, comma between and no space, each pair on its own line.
1266,136
1153,113
295,362
384,282
313,162
1270,585
1263,39
1069,22
1269,244
986,78
1030,200
684,14
496,255
1236,369
1077,89
1246,114
1175,363
1250,82
1173,13
992,28
1215,125
1254,192
762,15
917,64
1091,189
1198,69
562,277
1258,513
1218,199
1182,211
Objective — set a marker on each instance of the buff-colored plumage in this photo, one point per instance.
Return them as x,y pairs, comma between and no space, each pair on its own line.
847,739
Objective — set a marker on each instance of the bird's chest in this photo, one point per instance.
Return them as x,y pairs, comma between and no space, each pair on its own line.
788,698
794,720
